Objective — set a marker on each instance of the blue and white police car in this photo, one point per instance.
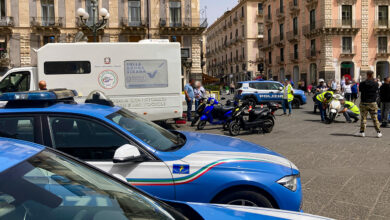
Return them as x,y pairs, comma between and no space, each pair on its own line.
41,183
267,91
172,165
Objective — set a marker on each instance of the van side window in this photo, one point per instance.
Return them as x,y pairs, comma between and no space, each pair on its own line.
18,128
67,67
16,82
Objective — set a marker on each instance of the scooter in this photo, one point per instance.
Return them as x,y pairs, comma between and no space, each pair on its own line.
215,114
260,118
199,111
334,109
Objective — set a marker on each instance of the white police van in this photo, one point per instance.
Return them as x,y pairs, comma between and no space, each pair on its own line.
143,77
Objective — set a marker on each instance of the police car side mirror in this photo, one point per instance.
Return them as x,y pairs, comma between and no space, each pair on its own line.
127,153
280,88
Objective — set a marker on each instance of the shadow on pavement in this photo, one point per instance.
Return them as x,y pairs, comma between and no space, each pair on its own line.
343,135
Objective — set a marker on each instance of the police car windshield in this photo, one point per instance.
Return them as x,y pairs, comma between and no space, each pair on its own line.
52,186
149,132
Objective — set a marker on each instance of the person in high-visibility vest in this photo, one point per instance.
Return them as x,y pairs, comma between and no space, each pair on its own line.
350,110
288,97
322,100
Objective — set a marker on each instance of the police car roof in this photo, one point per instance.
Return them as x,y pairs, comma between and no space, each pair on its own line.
13,152
257,81
95,110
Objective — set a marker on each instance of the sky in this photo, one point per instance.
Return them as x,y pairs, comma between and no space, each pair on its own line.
216,8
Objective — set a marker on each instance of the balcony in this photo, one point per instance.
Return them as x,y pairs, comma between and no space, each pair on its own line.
280,14
188,26
235,20
332,27
383,52
230,23
294,8
311,54
348,52
311,4
4,57
6,23
260,14
133,27
278,42
280,59
293,37
268,20
46,23
382,27
294,57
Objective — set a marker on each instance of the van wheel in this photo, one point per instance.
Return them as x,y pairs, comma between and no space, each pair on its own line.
245,198
201,125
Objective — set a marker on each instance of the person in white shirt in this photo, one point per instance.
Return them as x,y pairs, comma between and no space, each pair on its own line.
348,90
199,92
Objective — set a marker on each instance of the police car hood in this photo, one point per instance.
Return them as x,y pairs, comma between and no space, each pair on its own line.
207,149
227,212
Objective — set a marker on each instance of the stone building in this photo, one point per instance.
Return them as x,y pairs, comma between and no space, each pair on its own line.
328,39
233,42
26,25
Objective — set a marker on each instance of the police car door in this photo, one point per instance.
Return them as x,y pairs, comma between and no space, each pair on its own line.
276,91
96,144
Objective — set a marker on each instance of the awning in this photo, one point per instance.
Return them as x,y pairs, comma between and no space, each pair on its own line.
209,79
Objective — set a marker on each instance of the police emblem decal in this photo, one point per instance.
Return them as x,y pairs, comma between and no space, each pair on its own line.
181,169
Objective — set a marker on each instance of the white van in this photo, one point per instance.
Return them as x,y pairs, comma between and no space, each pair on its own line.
143,77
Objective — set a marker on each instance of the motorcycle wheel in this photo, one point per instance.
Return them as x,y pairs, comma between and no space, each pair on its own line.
234,128
268,126
201,125
194,121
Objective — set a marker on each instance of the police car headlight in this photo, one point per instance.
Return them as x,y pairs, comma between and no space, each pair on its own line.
290,182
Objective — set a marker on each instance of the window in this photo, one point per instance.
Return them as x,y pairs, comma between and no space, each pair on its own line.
347,45
281,6
346,15
269,12
3,46
2,8
47,12
88,6
16,82
243,30
295,2
382,44
260,28
295,51
243,53
175,13
49,39
269,36
383,15
236,33
17,128
260,8
67,67
85,139
259,86
282,54
312,19
134,13
282,74
231,36
270,57
313,48
281,31
295,26
242,12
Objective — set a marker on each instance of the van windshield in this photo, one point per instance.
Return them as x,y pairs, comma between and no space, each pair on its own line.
149,132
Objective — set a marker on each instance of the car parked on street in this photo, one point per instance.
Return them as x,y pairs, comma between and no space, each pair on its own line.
42,183
172,165
261,92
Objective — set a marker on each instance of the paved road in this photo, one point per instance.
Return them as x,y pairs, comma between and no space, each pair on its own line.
343,176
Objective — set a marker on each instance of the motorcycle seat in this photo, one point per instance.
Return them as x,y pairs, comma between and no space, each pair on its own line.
227,108
259,111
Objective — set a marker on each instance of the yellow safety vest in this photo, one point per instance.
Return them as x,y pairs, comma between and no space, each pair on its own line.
290,95
321,97
352,107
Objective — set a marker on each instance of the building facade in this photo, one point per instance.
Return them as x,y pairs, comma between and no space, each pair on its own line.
233,42
328,39
26,25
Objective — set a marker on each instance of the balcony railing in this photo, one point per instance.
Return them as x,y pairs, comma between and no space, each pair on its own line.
383,52
311,54
294,57
280,59
280,12
293,7
6,21
268,19
278,41
46,21
332,25
185,23
260,13
127,22
382,26
293,36
347,51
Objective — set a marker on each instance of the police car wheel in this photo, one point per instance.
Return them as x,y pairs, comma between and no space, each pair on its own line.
234,128
246,198
201,125
251,102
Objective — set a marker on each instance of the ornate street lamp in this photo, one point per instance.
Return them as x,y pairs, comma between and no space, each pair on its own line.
96,25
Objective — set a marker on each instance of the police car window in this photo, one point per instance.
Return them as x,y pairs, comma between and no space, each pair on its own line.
67,67
84,139
260,86
18,128
273,86
16,82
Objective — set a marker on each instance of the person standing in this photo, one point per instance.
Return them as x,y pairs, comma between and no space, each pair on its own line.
348,91
355,91
333,85
350,110
232,87
369,95
385,101
288,97
190,95
199,92
322,101
42,85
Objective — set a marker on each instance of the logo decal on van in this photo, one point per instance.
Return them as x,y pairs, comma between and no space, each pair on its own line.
107,60
108,79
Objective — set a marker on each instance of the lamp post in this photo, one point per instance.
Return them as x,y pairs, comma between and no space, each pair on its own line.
96,25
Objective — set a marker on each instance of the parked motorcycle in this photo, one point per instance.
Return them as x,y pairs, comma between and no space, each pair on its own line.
216,114
259,118
334,108
199,111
